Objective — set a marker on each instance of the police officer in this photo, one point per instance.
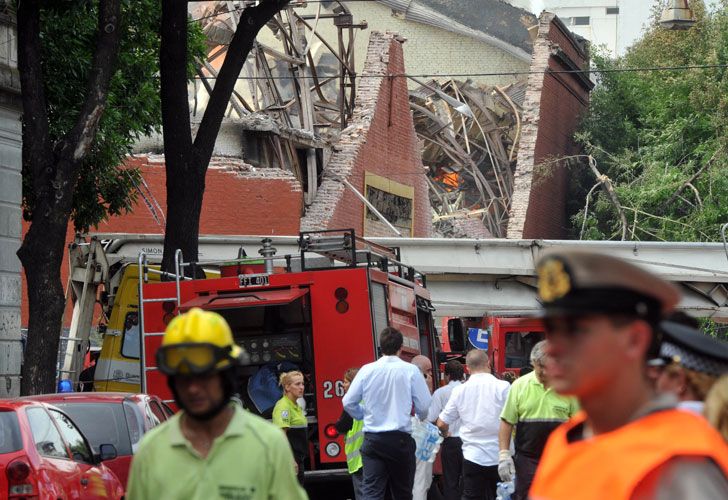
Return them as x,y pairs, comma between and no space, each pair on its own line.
212,448
689,364
601,325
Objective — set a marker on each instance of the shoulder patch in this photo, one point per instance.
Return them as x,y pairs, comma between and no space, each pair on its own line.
284,414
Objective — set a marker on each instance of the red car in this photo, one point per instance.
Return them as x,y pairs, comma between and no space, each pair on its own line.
44,456
117,418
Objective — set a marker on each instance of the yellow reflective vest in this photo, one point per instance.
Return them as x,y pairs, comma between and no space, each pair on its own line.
352,446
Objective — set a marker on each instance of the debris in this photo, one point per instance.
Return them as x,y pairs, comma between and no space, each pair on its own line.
470,138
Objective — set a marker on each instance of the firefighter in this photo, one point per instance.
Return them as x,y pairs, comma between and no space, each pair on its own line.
212,448
627,442
289,416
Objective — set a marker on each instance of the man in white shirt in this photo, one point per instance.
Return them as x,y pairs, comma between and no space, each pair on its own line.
477,404
390,387
451,450
423,470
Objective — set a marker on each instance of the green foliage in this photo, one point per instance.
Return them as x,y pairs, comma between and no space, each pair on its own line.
133,107
652,131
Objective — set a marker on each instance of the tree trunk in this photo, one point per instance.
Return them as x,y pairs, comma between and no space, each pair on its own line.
41,255
185,188
186,161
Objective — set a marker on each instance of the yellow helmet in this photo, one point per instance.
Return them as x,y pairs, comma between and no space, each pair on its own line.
197,342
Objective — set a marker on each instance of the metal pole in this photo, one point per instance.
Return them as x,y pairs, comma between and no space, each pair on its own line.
371,207
142,263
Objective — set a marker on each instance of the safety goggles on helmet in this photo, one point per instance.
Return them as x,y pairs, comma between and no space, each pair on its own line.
193,358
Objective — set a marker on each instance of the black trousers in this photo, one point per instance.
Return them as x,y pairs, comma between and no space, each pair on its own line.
525,471
479,481
389,459
452,467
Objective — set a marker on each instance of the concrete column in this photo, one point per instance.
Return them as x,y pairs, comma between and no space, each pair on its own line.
10,197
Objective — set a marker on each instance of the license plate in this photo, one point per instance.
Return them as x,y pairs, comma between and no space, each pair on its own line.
247,280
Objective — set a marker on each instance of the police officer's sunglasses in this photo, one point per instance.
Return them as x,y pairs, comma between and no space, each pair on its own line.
191,358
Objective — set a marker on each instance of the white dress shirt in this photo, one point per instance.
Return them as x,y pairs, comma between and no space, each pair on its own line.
478,404
390,386
439,400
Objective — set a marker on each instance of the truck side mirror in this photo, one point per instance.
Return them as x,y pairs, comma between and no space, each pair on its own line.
456,334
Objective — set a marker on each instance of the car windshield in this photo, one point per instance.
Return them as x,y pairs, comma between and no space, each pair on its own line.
9,432
101,423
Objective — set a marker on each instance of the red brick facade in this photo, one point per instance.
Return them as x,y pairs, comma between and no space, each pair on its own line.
381,140
552,107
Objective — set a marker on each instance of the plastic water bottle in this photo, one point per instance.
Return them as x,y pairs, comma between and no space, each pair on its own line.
427,439
505,490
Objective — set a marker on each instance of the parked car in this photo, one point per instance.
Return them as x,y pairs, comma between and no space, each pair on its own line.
44,455
117,418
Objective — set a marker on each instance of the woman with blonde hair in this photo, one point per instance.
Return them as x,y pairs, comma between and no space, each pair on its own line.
716,406
289,416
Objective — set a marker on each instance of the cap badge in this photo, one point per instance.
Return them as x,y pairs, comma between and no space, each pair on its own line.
553,280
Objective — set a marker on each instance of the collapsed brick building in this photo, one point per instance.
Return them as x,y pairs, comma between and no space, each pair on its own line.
557,94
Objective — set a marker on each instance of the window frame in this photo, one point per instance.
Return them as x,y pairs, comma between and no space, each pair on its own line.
73,427
29,412
124,334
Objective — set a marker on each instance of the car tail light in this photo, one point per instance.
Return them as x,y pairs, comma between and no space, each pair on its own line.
19,480
330,431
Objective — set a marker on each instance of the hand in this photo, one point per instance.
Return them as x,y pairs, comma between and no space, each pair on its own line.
506,467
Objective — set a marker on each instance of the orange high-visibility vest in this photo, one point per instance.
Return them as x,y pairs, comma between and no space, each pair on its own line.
611,465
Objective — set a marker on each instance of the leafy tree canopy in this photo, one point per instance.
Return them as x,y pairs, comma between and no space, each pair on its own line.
660,136
68,37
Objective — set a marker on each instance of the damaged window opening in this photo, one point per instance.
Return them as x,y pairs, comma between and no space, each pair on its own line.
301,154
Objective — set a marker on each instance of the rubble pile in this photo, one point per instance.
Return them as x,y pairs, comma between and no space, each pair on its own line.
470,143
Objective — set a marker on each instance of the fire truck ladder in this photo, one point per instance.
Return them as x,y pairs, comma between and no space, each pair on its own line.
89,269
144,271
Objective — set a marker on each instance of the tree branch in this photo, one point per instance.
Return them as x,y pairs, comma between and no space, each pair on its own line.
173,81
35,116
78,141
251,21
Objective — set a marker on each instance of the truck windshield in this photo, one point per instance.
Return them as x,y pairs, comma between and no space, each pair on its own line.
9,432
518,348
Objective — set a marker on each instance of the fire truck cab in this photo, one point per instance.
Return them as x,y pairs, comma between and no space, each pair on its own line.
319,312
508,339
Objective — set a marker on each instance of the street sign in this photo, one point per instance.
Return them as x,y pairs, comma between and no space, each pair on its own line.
478,338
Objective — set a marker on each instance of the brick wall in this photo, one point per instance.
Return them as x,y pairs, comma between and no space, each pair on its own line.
239,199
551,110
380,140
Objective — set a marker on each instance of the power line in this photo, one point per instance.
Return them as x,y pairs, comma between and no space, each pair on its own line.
505,73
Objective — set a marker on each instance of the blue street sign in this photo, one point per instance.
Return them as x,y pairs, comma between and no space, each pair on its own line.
478,338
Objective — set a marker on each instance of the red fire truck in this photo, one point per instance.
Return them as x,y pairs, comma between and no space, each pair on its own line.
508,339
319,311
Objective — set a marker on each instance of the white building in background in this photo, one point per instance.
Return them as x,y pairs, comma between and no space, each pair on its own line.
615,24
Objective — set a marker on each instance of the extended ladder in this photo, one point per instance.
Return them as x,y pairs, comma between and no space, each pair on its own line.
89,269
